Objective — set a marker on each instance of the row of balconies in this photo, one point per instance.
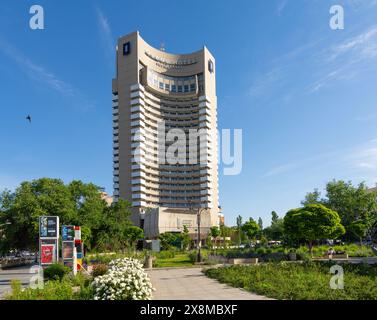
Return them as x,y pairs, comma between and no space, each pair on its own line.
152,120
160,180
115,114
170,199
168,170
169,192
157,180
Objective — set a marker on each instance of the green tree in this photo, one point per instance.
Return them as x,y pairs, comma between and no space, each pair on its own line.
274,217
312,198
311,223
215,232
260,225
132,234
112,234
29,201
168,240
239,229
359,229
250,228
276,230
77,203
185,238
352,203
88,203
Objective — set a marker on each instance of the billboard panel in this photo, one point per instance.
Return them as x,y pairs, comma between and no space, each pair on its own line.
67,250
48,255
68,233
48,227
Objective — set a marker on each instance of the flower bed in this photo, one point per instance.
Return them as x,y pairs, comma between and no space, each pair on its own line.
125,280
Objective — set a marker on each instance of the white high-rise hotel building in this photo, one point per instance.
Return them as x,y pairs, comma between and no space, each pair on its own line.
154,88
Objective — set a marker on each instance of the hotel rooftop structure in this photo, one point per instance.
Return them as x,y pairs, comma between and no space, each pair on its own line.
154,94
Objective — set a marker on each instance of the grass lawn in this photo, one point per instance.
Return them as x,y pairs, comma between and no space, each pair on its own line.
294,281
179,260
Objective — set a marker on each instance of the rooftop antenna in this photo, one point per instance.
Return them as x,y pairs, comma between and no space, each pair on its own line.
162,46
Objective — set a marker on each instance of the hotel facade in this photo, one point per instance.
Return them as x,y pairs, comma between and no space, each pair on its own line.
160,99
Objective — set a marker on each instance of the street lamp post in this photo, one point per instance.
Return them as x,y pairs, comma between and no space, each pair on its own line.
199,257
198,216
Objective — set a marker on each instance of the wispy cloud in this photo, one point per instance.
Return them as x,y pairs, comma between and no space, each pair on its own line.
281,6
359,161
105,34
364,157
262,84
363,45
281,169
346,60
40,74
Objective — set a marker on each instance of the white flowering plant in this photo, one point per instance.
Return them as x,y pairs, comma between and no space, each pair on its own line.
125,280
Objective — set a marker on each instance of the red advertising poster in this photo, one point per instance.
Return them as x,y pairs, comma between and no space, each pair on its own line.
47,253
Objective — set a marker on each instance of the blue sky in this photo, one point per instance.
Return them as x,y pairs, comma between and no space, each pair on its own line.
304,95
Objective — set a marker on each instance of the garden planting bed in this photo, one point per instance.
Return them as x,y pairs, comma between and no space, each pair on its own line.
277,256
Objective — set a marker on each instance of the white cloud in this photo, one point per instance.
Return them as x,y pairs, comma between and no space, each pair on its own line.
364,45
105,34
364,157
42,75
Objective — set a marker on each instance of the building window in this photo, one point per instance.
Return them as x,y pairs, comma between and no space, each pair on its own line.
174,88
179,88
210,65
192,87
167,87
186,87
126,48
161,85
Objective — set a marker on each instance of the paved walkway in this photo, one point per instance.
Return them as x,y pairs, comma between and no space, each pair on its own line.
192,284
19,273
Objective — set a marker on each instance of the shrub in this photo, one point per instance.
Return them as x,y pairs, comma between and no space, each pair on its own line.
300,281
55,289
56,271
261,250
125,280
166,254
52,290
193,255
99,270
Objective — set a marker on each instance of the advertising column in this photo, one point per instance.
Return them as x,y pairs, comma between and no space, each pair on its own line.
68,244
79,247
48,240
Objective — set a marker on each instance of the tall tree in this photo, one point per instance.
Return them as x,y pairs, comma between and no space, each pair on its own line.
312,198
215,232
276,230
260,224
239,226
311,223
250,228
29,201
76,204
274,217
352,203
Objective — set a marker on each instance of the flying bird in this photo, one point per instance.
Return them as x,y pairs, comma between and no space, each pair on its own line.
28,118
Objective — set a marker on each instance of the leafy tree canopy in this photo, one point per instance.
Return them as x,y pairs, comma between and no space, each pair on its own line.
312,222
